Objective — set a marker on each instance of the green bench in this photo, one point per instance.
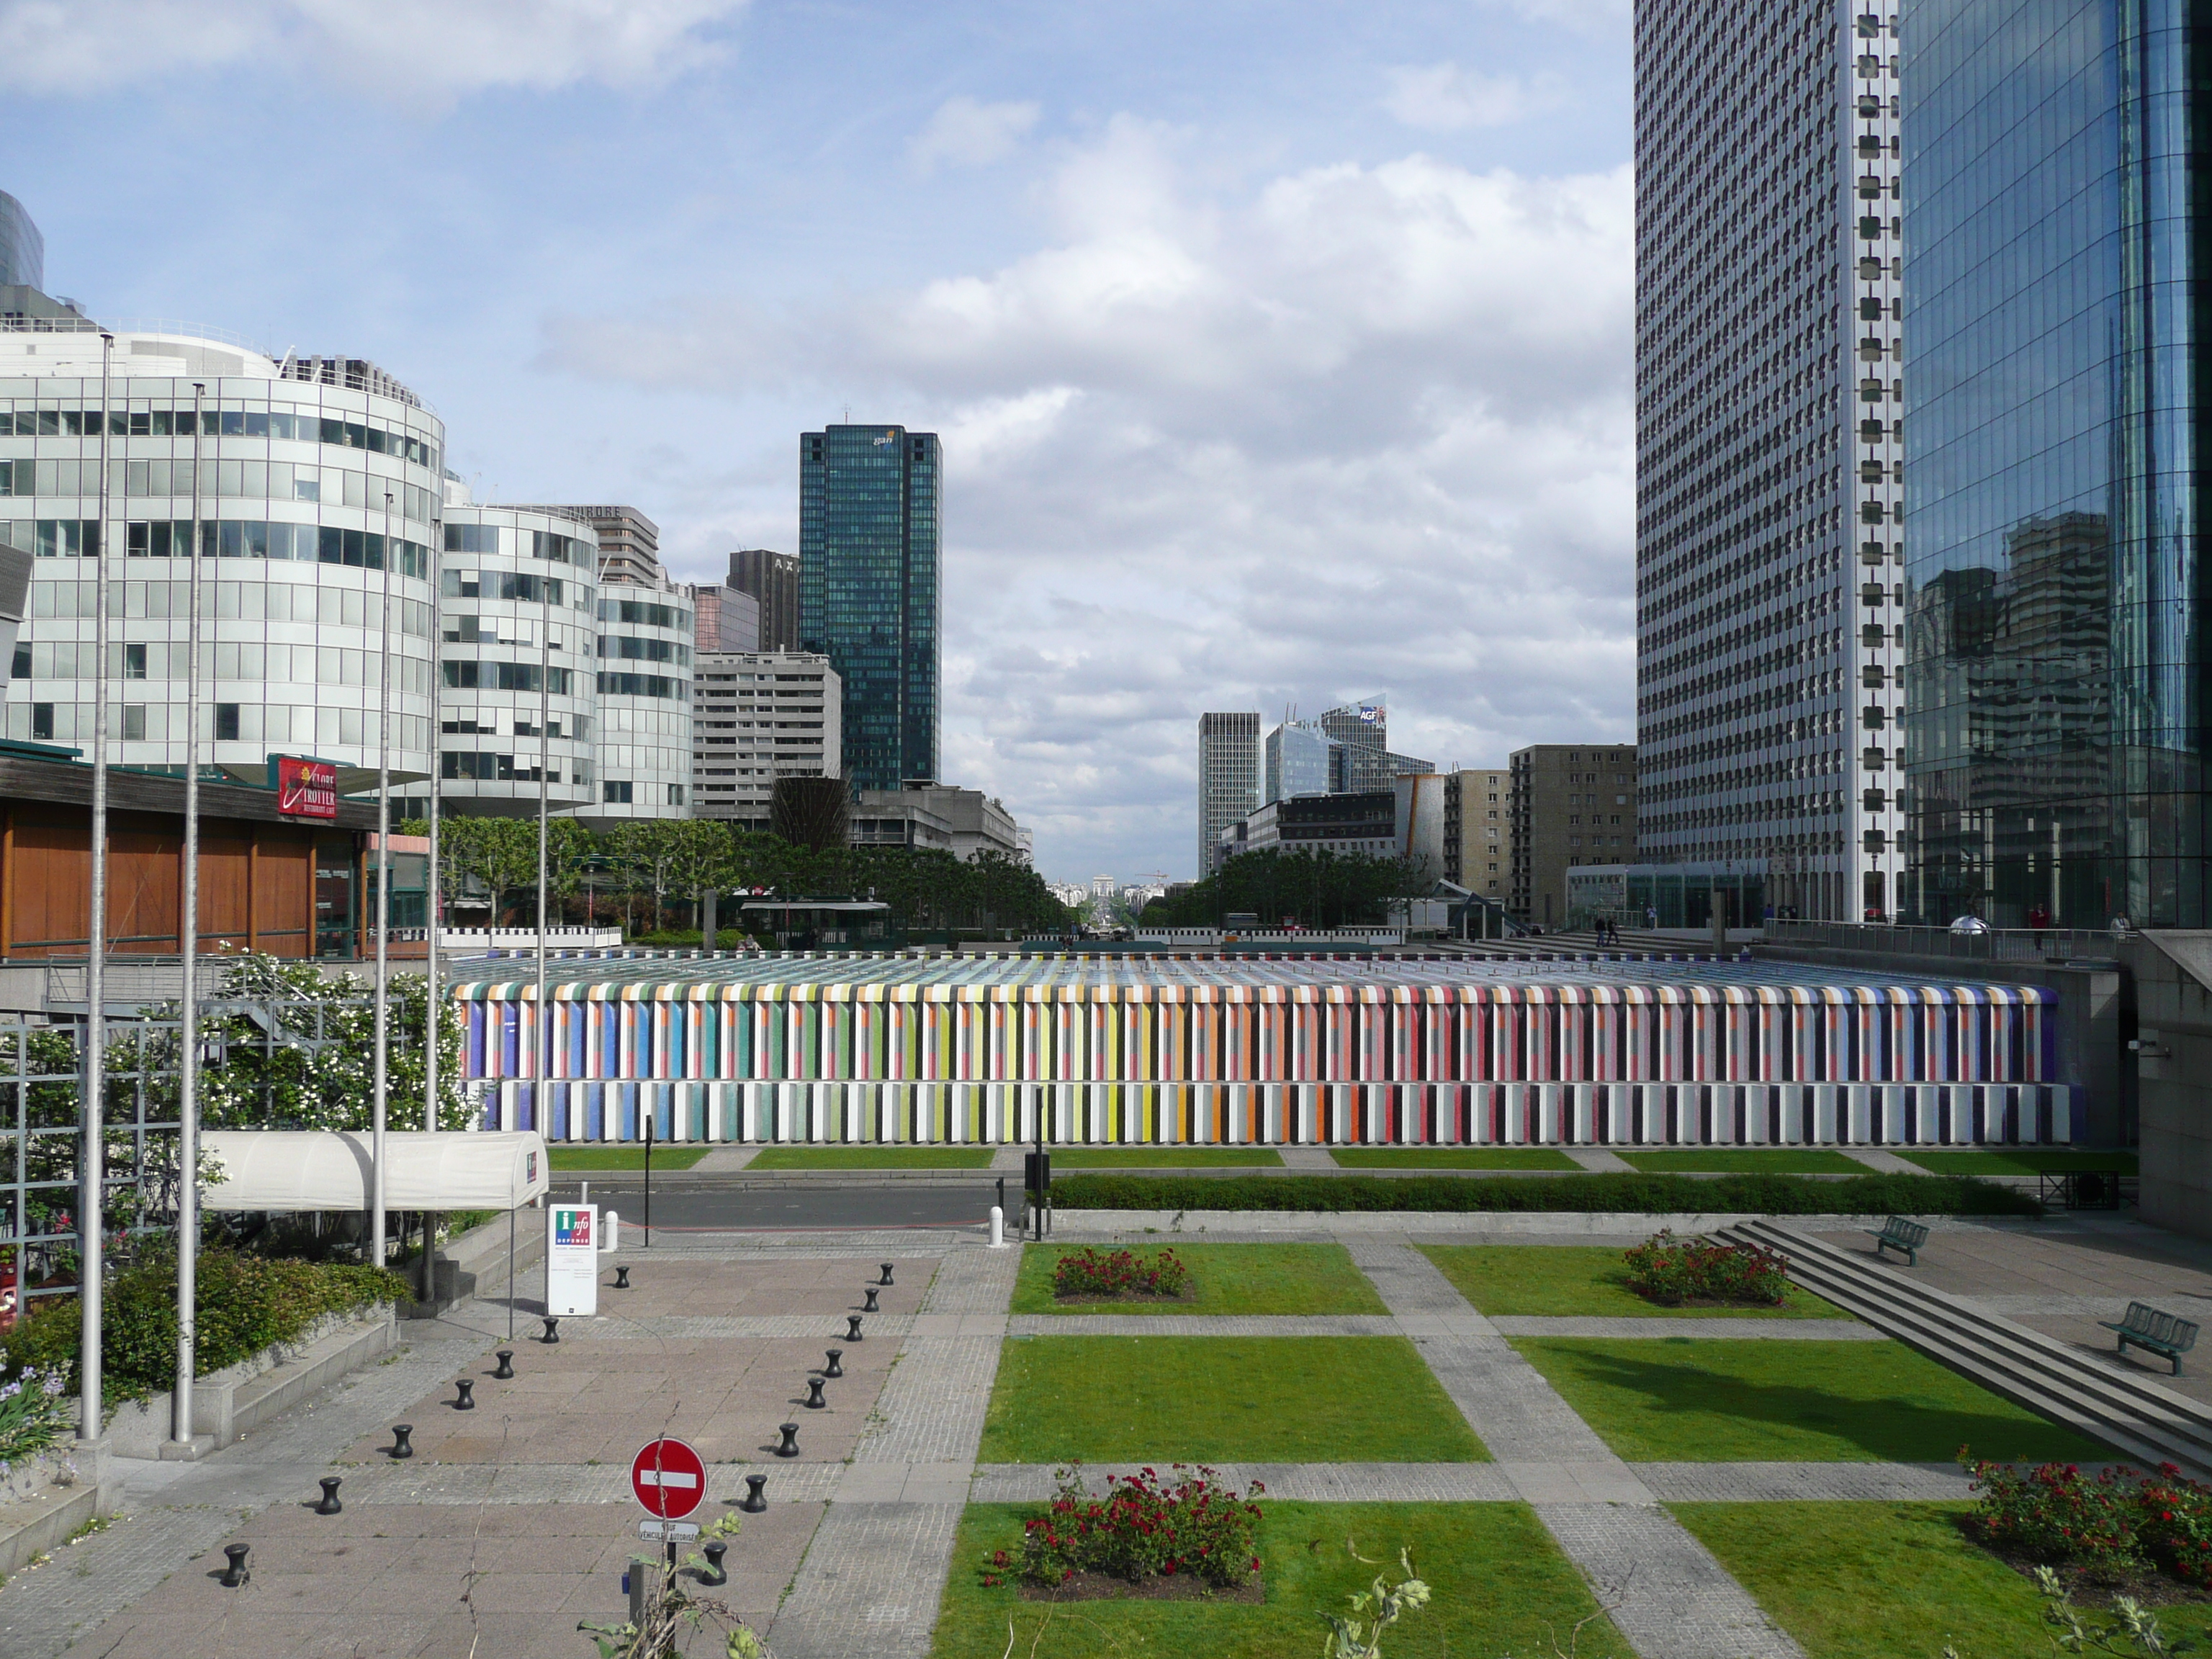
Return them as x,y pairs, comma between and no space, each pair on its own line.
2166,1334
1899,1234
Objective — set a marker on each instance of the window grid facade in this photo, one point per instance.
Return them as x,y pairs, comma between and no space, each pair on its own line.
757,716
1228,779
1769,426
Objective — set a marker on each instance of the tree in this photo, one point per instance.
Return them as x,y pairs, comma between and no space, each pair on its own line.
650,849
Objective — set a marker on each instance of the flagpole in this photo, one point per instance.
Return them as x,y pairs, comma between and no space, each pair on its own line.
383,908
188,1036
91,1414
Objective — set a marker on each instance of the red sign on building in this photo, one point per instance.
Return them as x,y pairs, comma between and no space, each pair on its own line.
306,788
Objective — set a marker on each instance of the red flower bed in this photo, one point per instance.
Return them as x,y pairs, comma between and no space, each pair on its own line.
1141,1529
1087,1272
2103,1524
1673,1271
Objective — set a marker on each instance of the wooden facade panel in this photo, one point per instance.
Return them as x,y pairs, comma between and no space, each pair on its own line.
284,893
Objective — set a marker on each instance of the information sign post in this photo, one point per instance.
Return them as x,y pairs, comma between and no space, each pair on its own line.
572,1259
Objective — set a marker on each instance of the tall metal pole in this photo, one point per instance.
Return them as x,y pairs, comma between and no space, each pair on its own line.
540,1088
91,1417
434,909
188,1039
383,907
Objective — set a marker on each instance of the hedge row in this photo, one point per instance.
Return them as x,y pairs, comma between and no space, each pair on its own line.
245,1304
1631,1195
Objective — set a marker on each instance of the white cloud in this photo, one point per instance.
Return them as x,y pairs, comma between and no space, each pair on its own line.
1445,98
964,133
1360,428
414,47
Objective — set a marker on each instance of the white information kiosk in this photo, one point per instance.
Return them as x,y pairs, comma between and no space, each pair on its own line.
572,1259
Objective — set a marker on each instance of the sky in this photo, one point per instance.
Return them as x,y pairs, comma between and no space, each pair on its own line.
1281,353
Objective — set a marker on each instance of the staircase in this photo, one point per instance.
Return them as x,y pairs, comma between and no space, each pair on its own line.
2147,1422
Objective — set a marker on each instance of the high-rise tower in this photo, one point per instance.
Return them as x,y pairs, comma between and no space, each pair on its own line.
870,523
1228,778
1769,387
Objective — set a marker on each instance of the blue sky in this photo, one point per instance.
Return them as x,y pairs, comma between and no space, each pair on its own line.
1281,353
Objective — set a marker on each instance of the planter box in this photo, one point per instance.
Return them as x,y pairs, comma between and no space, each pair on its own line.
240,1398
34,1522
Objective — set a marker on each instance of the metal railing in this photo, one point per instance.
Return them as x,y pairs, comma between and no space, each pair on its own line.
1992,945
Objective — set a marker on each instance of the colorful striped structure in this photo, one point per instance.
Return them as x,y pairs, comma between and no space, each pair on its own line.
1148,1050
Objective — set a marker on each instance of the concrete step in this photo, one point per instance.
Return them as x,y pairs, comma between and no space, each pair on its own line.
2148,1423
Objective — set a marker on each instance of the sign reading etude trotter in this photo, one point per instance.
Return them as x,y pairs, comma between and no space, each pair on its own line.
572,1259
668,1479
307,789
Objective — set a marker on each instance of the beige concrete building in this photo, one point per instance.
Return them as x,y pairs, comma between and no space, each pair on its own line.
1572,805
1477,841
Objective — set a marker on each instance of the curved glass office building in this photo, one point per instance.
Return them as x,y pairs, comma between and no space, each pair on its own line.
318,480
2056,724
518,657
645,668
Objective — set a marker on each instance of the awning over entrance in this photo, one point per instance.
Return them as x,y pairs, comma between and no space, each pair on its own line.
329,1169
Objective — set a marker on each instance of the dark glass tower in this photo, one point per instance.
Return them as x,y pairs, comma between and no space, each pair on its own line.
870,522
2056,691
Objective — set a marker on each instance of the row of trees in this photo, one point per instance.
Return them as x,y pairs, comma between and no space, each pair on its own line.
1314,888
672,862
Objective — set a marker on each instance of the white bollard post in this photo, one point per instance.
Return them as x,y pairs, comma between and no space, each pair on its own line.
610,1230
998,1228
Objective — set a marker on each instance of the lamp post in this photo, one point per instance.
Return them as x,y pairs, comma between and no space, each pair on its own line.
378,1102
188,1035
433,910
91,1419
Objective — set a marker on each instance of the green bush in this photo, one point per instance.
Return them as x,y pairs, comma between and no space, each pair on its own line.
1625,1195
1673,1271
245,1304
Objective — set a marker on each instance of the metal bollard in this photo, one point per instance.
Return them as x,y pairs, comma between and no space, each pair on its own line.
467,1401
622,1276
790,1446
552,1329
853,1327
886,1278
330,1505
869,1306
754,1502
237,1572
399,1446
505,1373
814,1401
834,1368
715,1552
997,1226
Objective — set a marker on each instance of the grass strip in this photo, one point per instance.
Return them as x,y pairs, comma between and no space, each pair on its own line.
1450,1158
1669,1398
631,1156
1229,1278
1580,1280
1872,1581
2019,1161
1501,1585
872,1158
1221,1399
1166,1157
1746,1160
1626,1195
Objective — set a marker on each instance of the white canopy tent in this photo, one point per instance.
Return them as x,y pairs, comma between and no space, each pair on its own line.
292,1169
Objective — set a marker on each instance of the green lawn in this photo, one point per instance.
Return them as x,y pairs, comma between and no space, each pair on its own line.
1451,1157
1877,1581
1501,1586
1745,1160
1278,1398
1579,1280
2017,1161
1165,1158
628,1156
872,1158
1736,1401
1230,1279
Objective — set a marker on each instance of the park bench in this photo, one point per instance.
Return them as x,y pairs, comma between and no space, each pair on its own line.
1899,1234
2163,1334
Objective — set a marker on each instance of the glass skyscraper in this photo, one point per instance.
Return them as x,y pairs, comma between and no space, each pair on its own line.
870,525
2057,697
1769,563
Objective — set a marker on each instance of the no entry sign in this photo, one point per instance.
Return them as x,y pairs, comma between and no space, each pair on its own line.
668,1479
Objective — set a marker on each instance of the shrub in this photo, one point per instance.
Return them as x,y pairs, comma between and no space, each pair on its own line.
1140,1529
2057,1516
37,1412
1087,1272
1625,1195
244,1304
2173,1518
1671,1271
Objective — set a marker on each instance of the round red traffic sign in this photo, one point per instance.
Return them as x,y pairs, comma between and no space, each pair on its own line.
668,1479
